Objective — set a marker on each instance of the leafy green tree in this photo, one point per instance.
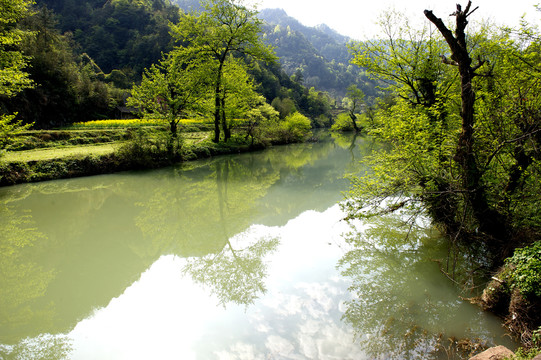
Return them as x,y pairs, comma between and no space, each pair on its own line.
13,77
405,59
239,95
225,28
463,131
284,106
295,127
171,89
353,101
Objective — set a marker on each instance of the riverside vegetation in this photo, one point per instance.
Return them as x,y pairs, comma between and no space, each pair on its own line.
462,121
107,146
459,111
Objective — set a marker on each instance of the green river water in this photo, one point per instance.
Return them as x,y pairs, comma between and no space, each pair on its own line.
235,257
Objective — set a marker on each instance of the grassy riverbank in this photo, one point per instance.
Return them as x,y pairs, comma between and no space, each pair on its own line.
109,146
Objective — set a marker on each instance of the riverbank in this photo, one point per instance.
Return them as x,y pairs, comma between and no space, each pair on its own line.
49,155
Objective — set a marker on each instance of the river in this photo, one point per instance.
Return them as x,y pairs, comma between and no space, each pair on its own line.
236,257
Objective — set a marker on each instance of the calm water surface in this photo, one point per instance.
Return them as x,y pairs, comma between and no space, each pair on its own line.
237,257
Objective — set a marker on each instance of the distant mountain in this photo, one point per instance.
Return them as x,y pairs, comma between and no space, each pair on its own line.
325,40
318,54
188,5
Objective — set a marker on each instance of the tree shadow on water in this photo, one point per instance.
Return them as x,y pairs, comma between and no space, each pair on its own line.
402,306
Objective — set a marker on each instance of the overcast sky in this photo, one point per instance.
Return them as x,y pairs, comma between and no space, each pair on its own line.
355,18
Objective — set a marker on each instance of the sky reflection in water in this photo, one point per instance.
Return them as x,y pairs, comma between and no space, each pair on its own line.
167,315
220,259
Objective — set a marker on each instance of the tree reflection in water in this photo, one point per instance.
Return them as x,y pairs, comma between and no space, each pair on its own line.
235,274
402,306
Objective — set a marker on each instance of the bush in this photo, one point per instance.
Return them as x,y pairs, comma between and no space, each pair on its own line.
295,127
343,123
150,149
526,274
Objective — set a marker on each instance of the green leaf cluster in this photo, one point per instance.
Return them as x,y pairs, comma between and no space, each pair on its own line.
420,121
13,77
525,267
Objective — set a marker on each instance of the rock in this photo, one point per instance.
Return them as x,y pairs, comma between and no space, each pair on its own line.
494,353
538,357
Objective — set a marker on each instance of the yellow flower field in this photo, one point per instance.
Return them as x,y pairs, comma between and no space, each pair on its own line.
120,123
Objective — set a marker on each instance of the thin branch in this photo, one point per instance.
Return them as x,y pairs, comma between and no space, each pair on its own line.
506,142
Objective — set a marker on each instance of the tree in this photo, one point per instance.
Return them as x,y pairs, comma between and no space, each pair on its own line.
470,161
353,100
13,77
225,28
239,95
171,88
406,59
67,86
490,220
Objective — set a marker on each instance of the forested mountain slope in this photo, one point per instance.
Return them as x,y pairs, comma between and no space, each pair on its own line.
88,53
318,54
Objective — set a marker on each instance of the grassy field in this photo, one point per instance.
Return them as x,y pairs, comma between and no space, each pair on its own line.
93,138
60,152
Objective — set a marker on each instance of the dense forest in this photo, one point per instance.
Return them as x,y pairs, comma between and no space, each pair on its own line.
87,54
319,56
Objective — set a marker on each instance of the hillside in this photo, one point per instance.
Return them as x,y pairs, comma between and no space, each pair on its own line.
88,53
319,54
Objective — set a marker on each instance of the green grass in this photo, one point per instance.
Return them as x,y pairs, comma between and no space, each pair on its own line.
70,151
60,152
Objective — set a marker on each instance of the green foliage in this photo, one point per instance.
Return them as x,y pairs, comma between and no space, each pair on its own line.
525,274
127,35
150,148
421,123
342,123
171,89
284,106
13,78
522,354
68,87
9,127
407,60
295,127
225,29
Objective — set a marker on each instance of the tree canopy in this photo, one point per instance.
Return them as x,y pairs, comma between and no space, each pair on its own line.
226,28
13,63
463,127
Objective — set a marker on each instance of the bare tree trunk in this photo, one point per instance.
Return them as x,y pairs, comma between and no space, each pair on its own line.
490,221
217,104
354,121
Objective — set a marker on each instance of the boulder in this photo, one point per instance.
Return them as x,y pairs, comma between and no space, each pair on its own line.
494,353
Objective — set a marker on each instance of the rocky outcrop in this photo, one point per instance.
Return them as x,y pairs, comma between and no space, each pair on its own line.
494,353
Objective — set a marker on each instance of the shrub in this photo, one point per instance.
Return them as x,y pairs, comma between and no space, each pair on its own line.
295,127
526,274
343,123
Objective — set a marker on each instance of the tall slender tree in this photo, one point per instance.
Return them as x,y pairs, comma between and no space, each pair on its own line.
224,28
490,221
